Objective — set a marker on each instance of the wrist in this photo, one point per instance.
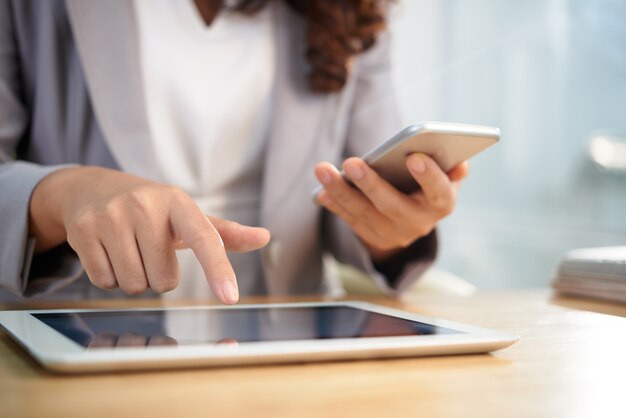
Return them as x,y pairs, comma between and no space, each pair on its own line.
381,255
45,221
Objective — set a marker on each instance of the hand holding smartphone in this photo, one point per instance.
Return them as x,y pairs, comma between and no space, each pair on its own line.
449,144
382,210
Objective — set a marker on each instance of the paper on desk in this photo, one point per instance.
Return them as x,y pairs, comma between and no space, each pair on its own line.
593,272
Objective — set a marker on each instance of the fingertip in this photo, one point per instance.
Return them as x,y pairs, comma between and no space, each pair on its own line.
416,163
229,292
355,168
318,167
323,165
459,172
465,168
352,161
230,302
257,238
323,172
264,236
316,198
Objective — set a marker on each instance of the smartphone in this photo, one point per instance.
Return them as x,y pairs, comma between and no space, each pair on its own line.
449,144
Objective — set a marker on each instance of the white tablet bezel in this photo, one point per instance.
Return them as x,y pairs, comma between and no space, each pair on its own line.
59,353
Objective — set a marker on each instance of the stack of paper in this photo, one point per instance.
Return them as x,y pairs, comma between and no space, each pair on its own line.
593,272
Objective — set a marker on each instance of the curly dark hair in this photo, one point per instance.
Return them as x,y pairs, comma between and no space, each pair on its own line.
337,30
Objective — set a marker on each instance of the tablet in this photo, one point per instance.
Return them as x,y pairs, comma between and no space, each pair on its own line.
87,340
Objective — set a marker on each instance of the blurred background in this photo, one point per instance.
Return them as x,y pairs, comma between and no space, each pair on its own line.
552,75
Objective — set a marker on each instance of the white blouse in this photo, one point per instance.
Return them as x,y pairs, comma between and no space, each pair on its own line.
208,93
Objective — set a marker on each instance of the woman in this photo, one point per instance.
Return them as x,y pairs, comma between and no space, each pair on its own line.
167,111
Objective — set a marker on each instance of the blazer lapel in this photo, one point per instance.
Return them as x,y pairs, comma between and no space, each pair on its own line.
107,42
297,116
298,131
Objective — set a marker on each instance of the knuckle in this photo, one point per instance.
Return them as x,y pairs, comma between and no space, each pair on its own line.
391,211
111,215
359,212
134,287
367,186
423,230
95,272
349,217
99,275
207,236
165,284
363,211
369,215
330,204
82,224
138,200
383,241
102,280
173,192
443,203
405,242
336,193
386,245
171,189
342,191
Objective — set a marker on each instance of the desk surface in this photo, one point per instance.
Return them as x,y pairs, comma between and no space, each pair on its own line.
570,362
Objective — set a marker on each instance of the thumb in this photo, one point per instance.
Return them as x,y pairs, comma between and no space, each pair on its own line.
236,237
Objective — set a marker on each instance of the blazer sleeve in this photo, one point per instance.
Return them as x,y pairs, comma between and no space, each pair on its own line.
17,178
374,117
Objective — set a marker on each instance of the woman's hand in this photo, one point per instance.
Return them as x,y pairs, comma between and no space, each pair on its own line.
125,230
385,219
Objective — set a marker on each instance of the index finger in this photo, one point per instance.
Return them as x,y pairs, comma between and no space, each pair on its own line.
190,225
435,184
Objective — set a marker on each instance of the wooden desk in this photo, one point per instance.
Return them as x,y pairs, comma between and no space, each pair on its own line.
569,363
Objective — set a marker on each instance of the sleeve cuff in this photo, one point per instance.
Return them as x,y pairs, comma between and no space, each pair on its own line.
405,268
18,179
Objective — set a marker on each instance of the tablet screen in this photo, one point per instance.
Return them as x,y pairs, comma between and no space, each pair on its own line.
229,326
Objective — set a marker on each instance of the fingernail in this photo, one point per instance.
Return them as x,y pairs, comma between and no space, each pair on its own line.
418,165
355,171
326,178
230,294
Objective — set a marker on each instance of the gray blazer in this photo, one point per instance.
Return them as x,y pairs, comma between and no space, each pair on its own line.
70,78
